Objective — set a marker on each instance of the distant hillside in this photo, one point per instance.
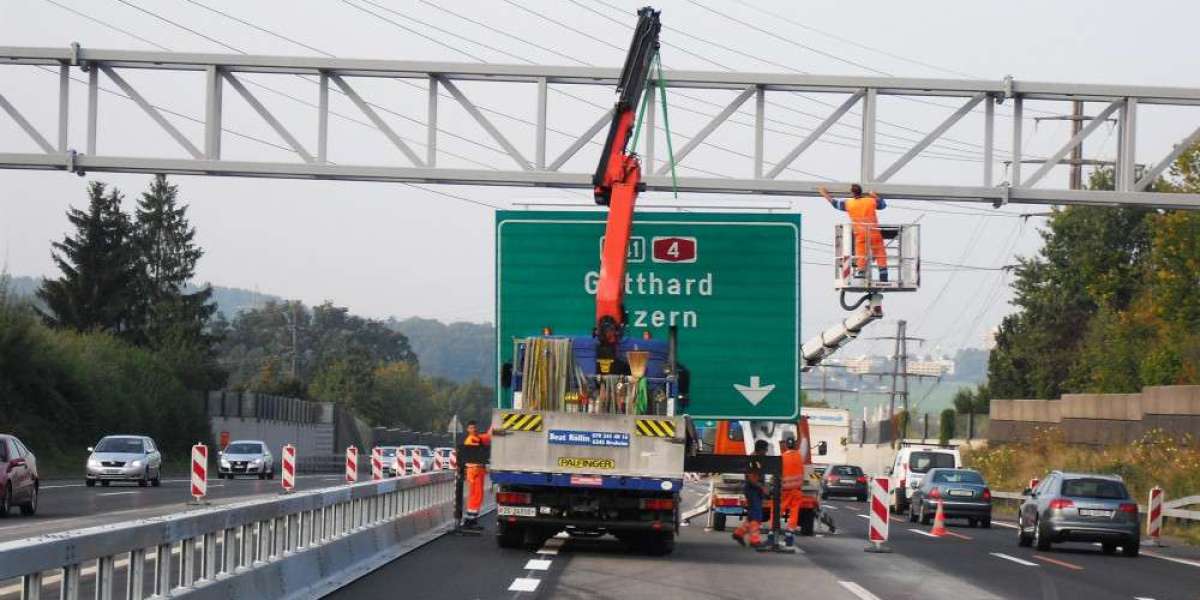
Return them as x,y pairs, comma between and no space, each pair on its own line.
230,301
460,352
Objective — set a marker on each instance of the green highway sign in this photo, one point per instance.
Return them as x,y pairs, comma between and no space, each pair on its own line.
730,283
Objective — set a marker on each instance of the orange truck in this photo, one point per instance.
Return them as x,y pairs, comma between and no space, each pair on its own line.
732,438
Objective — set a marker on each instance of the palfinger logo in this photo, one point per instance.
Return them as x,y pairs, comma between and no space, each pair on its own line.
571,462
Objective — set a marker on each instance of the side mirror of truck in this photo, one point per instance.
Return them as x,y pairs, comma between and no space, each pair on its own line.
822,449
506,374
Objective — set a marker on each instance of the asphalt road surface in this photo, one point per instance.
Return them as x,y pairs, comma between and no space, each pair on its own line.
68,504
969,564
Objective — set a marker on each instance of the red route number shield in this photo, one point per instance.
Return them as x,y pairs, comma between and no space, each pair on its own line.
674,249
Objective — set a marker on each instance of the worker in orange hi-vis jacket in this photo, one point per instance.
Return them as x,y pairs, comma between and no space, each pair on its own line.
793,484
861,210
476,474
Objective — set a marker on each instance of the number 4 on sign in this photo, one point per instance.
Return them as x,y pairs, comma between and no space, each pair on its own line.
674,249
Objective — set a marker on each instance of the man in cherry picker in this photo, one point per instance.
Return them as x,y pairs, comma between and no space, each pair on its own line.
861,210
755,491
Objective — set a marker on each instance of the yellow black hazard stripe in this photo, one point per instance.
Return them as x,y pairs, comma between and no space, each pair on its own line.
521,422
655,427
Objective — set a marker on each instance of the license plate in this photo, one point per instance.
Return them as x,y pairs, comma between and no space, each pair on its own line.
112,471
516,511
962,493
846,480
1092,512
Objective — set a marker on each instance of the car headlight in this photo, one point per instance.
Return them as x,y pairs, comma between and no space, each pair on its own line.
93,463
224,463
257,461
135,464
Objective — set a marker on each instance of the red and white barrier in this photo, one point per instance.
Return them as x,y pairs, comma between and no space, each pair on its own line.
417,464
454,460
401,463
199,472
437,462
1154,520
878,532
289,468
351,464
376,464
1033,483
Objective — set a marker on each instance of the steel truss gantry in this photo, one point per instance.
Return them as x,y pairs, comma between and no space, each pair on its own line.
863,93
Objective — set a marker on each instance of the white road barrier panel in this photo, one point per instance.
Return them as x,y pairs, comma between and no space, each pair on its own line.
877,533
289,468
1154,519
199,472
376,464
351,464
302,545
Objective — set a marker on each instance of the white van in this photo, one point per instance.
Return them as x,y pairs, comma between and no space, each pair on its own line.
912,462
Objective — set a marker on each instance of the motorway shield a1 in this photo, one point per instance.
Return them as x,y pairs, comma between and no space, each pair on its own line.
730,283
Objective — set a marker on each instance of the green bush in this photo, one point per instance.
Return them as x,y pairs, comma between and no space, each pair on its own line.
946,426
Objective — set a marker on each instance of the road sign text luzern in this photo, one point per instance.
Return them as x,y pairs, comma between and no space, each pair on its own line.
730,283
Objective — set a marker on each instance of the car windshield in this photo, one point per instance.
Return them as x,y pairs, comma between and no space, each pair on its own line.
426,452
387,452
846,470
121,445
244,448
1104,489
958,477
922,462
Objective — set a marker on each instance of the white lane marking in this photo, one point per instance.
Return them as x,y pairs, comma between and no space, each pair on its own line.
1142,598
536,564
54,487
923,532
524,584
865,516
858,590
1005,524
1181,561
548,551
829,507
562,535
115,493
1019,561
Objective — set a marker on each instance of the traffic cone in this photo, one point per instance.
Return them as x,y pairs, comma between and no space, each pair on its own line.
939,521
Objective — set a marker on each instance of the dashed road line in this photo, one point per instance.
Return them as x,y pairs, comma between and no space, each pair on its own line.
1005,524
858,590
1061,563
116,493
924,533
865,516
1019,561
829,507
536,564
524,584
1182,561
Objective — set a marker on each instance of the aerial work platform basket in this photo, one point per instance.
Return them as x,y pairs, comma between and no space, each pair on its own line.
902,249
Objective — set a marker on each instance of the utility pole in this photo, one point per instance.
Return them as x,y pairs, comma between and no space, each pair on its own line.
1076,161
899,372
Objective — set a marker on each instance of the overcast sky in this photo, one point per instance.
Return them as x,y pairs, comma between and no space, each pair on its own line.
390,249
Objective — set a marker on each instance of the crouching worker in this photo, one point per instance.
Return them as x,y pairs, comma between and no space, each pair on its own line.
755,490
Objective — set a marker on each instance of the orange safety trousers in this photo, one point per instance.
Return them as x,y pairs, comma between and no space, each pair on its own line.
790,504
866,230
750,527
475,480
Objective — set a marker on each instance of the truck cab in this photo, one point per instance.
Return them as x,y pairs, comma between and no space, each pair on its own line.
738,438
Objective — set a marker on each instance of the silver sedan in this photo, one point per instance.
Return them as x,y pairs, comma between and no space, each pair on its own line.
124,458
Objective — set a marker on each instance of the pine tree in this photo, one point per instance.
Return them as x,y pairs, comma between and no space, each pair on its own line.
99,269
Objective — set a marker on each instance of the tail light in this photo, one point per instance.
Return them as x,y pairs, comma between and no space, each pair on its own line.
935,493
831,478
514,498
657,504
862,479
1061,503
987,494
726,502
1128,507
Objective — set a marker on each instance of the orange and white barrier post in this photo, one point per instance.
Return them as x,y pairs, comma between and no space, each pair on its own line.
199,472
877,533
437,462
401,463
351,464
415,456
289,468
1154,520
454,460
376,464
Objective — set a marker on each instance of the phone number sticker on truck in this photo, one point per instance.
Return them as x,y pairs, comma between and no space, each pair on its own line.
572,462
589,438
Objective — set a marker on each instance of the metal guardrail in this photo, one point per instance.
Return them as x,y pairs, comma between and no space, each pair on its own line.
210,548
1170,508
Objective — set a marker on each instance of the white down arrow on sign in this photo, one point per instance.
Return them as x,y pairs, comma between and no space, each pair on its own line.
755,392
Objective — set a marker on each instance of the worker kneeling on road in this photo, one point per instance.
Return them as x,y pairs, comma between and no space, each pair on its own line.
755,490
793,484
861,210
476,474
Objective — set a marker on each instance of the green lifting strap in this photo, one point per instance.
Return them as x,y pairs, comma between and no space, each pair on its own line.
662,86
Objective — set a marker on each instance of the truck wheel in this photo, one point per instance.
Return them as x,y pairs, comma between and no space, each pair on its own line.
509,536
807,520
659,544
719,522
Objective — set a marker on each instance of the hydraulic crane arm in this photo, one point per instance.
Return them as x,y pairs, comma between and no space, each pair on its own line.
831,340
617,181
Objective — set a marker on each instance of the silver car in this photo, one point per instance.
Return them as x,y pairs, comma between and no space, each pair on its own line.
388,453
246,457
1079,507
423,453
124,458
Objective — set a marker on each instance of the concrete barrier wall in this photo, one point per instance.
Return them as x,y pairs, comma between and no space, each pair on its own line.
309,439
1101,419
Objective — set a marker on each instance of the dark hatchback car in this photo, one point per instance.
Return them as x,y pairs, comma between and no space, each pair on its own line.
844,480
18,477
963,494
1079,507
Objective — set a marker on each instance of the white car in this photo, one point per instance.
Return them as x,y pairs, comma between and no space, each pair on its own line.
423,453
246,457
912,462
